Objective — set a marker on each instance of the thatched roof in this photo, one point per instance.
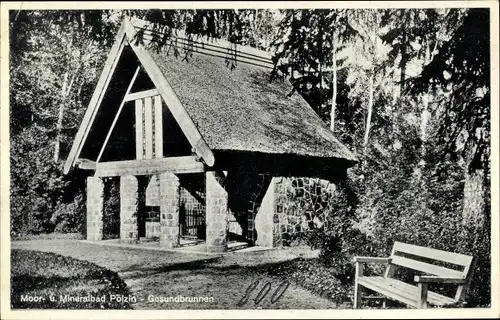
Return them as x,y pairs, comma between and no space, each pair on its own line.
239,109
219,108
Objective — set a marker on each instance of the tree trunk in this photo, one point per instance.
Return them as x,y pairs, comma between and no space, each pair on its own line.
370,111
59,125
404,57
334,84
424,119
474,198
57,144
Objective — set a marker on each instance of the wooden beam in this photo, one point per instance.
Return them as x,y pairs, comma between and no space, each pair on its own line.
158,126
148,130
139,133
97,96
187,164
173,103
436,279
85,164
117,114
141,95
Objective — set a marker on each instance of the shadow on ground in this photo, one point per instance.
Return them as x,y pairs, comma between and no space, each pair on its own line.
224,280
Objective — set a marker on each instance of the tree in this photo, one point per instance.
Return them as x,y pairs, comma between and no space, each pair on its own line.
460,74
244,27
50,47
461,70
368,62
305,49
55,59
414,37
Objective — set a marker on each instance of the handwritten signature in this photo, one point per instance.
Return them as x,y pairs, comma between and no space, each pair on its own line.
263,292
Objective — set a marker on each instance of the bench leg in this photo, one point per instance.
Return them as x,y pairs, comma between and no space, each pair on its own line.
357,296
357,287
384,303
422,296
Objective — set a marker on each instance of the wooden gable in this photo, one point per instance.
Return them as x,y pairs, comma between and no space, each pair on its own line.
134,108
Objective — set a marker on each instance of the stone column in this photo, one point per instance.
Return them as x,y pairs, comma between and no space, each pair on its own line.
216,212
169,210
129,209
95,206
267,220
279,215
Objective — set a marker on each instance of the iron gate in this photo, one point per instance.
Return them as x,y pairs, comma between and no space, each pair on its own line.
192,208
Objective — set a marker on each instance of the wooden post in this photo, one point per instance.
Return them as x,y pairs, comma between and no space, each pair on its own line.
158,127
391,268
357,288
139,130
148,130
462,289
174,104
422,295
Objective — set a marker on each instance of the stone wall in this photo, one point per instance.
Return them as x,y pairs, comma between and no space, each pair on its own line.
257,208
267,217
289,209
153,229
153,192
303,203
129,202
95,207
216,212
169,210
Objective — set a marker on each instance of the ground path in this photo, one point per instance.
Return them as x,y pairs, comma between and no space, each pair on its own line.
160,273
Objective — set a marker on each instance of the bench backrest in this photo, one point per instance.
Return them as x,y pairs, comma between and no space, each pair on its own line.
462,261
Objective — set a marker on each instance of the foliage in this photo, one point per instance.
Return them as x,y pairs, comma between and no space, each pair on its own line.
55,60
47,275
315,277
111,218
396,201
414,172
252,27
462,71
303,50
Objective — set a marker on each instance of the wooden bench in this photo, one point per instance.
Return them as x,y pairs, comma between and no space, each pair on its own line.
415,294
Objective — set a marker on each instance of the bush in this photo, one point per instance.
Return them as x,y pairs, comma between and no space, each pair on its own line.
315,277
41,197
69,217
46,275
403,205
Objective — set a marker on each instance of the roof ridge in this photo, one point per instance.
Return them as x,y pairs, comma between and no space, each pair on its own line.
222,43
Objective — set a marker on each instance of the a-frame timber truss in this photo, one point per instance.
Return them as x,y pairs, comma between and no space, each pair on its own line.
148,114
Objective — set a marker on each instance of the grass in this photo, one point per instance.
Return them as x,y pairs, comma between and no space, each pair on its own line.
47,236
226,278
315,277
44,280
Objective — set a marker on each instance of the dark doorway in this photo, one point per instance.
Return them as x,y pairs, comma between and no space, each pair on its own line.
142,210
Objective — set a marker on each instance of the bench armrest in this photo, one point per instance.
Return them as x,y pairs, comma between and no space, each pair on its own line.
372,259
436,279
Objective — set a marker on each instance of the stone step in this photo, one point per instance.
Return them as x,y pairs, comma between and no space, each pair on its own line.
236,245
